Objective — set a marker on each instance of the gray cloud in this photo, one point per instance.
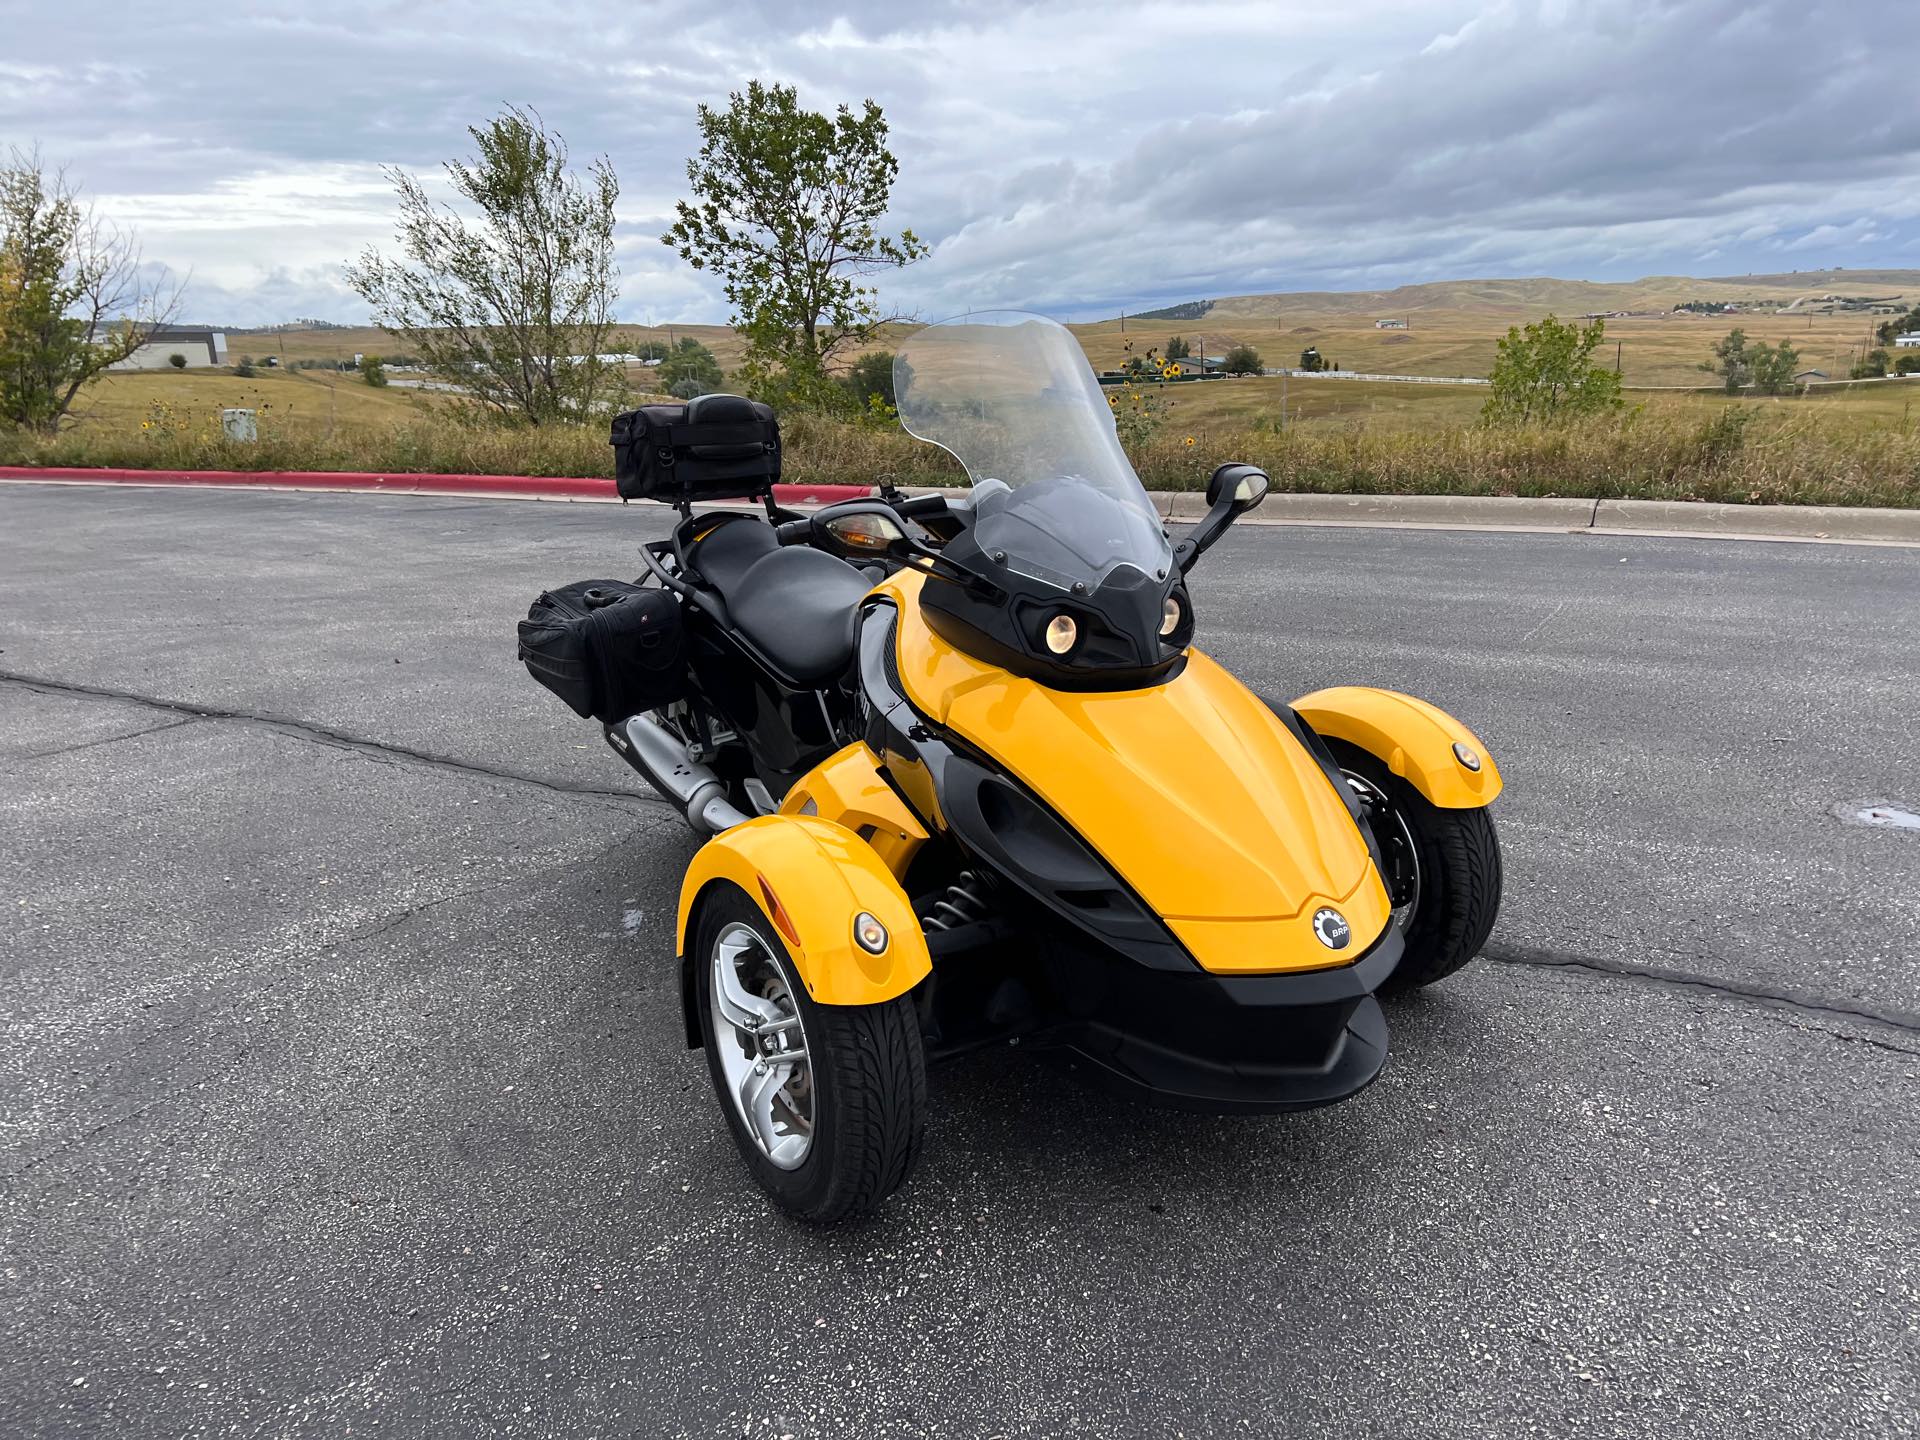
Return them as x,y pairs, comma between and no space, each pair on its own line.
1067,157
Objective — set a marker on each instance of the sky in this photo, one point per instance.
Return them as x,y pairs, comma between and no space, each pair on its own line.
1071,159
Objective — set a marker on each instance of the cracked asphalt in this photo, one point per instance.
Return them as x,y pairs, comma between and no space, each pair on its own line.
342,1089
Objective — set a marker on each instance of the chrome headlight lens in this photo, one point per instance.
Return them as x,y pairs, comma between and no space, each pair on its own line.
1171,614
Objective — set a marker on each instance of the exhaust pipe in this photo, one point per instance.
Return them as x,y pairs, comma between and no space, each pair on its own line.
661,757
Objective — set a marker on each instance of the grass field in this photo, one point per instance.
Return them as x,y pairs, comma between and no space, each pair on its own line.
300,401
1839,444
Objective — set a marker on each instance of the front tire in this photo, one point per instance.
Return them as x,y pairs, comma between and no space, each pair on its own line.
1443,869
826,1103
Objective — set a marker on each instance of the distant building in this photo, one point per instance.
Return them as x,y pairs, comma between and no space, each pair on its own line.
1389,324
201,348
1908,341
1807,377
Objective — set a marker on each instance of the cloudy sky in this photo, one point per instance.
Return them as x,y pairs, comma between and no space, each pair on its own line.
1058,157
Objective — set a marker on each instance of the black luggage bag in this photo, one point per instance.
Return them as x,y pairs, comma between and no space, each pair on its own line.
715,447
609,649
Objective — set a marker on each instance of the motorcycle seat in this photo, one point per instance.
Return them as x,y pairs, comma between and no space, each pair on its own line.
722,554
798,606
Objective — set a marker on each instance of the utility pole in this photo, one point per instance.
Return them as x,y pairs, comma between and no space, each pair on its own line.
1123,322
1616,358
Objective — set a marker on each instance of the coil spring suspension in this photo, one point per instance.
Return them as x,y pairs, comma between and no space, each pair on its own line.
963,904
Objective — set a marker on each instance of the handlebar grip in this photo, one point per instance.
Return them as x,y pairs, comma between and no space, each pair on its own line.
921,505
793,532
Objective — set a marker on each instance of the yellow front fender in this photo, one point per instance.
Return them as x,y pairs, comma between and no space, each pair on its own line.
1413,739
810,878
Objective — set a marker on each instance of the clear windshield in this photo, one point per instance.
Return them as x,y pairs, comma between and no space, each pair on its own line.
1014,399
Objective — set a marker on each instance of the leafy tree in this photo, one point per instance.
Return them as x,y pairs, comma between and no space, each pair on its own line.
1311,361
689,370
1899,325
1242,360
177,360
1731,361
785,210
1178,349
650,350
244,369
1871,366
515,307
872,374
1545,372
372,371
1907,364
73,300
1772,367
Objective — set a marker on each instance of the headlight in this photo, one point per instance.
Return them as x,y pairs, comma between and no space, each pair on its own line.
1061,634
1170,615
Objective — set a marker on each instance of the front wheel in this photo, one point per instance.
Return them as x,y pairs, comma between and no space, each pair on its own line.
1441,868
827,1103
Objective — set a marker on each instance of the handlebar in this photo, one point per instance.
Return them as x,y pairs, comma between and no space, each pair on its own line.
920,505
793,532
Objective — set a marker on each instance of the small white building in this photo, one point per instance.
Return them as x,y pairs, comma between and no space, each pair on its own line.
1907,341
200,347
1389,324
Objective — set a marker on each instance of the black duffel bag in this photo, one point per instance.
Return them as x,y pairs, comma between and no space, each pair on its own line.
609,649
715,447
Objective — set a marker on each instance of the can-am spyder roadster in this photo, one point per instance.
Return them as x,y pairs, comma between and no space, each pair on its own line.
968,780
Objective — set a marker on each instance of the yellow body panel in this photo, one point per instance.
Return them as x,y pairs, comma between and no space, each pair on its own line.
823,875
1193,790
1415,740
846,788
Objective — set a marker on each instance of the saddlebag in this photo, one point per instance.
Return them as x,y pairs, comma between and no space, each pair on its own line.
715,447
609,649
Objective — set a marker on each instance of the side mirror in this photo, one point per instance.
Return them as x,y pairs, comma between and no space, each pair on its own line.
1231,492
1245,486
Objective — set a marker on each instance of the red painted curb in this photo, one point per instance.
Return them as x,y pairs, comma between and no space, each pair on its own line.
524,487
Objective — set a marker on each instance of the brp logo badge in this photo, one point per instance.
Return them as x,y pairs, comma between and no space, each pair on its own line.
1332,929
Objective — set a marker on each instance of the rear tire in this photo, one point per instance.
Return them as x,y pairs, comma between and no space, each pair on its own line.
867,1083
1458,889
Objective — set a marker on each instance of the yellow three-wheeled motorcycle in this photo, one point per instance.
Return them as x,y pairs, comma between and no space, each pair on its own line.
967,780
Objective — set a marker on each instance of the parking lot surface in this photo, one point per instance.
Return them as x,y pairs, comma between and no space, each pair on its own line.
343,1088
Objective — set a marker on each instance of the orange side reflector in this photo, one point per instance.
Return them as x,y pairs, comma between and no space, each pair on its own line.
782,921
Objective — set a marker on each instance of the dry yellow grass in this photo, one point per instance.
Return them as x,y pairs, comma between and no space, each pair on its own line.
1844,444
301,401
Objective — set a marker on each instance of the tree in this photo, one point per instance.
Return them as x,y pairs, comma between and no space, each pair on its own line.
1545,373
1899,325
1907,364
872,374
516,307
1872,366
689,370
1242,360
1311,361
1178,349
73,298
1731,361
1772,367
177,360
785,210
372,371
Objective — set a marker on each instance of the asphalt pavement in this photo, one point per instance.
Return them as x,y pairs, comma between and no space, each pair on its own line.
343,1089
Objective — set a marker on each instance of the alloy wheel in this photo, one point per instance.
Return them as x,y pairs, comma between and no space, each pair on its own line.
762,1046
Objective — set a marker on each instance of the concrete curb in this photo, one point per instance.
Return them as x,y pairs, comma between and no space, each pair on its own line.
1477,512
1820,524
1777,522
